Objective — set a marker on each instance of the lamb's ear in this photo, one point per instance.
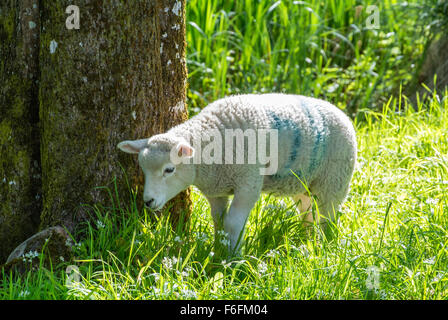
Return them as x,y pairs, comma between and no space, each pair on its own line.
132,147
185,150
181,152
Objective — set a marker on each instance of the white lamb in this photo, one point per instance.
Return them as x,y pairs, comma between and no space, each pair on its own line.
316,148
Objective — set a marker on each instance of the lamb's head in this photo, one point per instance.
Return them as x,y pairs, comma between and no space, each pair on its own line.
161,158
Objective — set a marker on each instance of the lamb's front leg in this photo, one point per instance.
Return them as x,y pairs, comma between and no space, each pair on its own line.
235,220
218,208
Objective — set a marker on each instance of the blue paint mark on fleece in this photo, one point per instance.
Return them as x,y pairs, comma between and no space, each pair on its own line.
282,124
316,120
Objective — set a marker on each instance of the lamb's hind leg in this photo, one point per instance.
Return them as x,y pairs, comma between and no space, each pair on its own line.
304,203
332,190
329,201
310,218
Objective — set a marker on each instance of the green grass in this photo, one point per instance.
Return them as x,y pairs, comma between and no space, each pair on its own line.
395,220
318,48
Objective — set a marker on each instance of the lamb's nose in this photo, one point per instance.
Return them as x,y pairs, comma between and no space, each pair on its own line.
149,203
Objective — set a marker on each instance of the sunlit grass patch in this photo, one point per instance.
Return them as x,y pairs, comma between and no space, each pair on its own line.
390,242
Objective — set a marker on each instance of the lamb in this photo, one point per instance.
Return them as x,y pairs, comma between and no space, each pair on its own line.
311,145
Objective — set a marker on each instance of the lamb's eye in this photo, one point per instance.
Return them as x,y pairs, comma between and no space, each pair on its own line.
169,170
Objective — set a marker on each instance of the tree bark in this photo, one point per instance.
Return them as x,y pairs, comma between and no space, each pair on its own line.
121,75
20,179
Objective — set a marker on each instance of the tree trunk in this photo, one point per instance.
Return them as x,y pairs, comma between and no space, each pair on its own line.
121,75
20,179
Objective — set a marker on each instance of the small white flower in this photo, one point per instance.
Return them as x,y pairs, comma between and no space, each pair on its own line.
371,203
430,260
262,268
223,237
304,250
186,272
183,274
189,294
24,293
155,290
272,253
177,239
270,207
100,224
156,276
438,277
225,264
202,236
167,263
345,242
432,201
30,256
223,233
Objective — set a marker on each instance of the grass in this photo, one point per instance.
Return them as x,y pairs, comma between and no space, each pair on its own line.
323,49
390,241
